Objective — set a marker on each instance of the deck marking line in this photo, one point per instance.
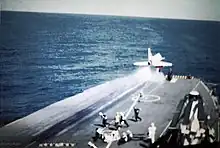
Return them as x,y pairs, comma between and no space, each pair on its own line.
109,144
165,128
136,100
146,100
207,89
133,97
30,144
196,86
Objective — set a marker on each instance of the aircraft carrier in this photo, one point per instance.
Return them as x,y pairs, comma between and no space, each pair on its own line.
73,122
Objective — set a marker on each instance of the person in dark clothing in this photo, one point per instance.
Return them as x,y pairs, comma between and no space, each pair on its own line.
104,119
140,97
122,119
124,139
170,75
136,114
97,135
214,93
189,76
201,113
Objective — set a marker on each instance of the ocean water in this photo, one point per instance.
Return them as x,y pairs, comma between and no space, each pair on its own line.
45,58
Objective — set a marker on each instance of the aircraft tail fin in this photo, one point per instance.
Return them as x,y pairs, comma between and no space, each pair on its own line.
149,54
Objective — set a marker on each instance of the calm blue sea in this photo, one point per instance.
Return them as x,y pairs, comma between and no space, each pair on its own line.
48,57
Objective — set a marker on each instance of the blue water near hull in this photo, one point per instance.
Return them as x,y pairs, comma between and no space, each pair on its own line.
47,57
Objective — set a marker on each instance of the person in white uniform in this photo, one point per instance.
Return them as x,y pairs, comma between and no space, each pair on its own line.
152,131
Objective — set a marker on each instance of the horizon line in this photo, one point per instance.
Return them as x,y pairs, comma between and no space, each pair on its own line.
115,15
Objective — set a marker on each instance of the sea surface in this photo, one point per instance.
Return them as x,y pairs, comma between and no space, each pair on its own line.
45,58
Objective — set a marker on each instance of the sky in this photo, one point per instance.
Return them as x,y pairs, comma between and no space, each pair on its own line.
179,9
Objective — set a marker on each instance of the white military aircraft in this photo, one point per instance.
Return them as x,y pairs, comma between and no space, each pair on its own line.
154,60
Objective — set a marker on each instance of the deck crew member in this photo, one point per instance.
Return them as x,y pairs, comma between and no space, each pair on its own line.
129,134
170,75
140,96
117,120
97,135
136,114
214,92
122,119
125,136
104,119
152,130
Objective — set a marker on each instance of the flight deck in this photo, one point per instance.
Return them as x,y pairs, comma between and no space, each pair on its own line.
158,105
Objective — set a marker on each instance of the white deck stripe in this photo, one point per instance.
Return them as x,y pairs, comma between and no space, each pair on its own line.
208,90
30,144
109,144
165,128
196,85
135,101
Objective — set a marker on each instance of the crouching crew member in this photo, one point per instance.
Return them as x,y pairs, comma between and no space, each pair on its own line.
130,135
126,136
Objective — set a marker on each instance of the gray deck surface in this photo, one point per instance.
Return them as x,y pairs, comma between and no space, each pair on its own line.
160,112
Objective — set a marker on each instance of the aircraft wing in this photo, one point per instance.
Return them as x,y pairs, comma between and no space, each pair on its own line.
162,63
145,63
